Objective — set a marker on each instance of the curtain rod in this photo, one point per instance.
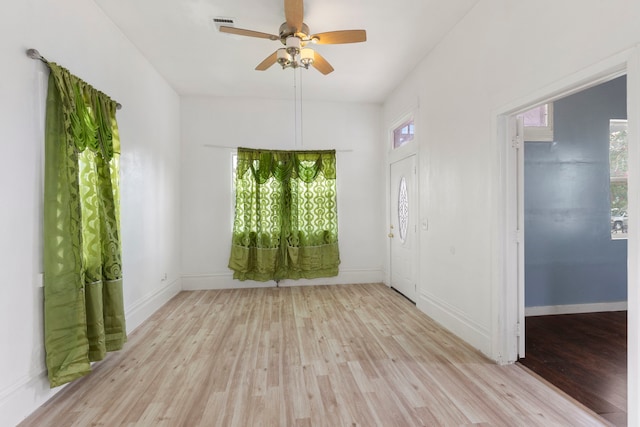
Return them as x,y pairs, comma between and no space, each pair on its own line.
34,54
234,148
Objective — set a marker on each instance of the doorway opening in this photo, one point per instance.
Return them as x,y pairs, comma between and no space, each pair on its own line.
572,200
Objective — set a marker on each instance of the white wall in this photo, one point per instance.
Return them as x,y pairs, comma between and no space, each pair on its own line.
501,52
77,35
352,129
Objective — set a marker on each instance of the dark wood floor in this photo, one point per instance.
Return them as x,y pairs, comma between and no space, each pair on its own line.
585,355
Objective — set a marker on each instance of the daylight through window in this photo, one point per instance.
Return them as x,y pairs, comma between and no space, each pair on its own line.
618,156
538,123
403,134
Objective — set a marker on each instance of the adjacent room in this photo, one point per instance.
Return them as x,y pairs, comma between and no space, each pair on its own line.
575,244
388,292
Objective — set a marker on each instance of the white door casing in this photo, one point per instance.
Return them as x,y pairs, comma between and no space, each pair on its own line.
518,146
403,226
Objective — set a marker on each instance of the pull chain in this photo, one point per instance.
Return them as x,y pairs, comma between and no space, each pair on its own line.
295,108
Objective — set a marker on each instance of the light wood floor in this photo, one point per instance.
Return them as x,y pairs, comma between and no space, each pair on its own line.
303,356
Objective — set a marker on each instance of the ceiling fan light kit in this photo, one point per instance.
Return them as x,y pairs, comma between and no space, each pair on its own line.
293,45
303,58
294,55
294,35
307,56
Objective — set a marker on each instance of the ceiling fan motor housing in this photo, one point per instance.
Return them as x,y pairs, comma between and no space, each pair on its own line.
286,32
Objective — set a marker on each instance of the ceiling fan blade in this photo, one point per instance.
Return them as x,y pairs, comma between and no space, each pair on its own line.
268,61
250,33
293,11
339,37
321,64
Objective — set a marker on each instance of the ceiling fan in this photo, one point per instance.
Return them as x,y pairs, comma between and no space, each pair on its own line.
295,35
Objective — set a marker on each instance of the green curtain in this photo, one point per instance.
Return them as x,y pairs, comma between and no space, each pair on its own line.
286,219
83,303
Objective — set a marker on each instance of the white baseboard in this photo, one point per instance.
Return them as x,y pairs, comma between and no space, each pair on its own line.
143,309
19,400
22,398
575,308
196,282
456,321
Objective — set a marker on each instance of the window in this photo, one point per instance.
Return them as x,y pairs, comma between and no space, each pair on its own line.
618,157
286,220
538,123
403,134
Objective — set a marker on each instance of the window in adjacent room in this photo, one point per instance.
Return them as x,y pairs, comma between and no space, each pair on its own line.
403,134
538,123
618,156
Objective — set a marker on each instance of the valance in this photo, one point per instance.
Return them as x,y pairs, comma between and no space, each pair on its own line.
285,165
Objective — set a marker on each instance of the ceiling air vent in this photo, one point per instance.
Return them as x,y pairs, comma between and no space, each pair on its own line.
227,22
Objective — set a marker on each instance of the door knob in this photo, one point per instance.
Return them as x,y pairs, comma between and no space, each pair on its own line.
390,235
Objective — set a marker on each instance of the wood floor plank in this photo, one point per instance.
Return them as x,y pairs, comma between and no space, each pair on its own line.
303,356
585,355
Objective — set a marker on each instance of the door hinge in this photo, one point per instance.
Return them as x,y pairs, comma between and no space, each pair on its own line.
516,236
518,329
518,136
516,142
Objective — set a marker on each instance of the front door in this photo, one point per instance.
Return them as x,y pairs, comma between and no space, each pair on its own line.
403,228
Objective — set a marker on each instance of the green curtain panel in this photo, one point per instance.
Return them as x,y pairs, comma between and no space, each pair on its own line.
83,303
286,218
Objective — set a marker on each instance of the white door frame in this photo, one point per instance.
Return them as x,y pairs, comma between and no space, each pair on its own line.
414,201
507,287
393,156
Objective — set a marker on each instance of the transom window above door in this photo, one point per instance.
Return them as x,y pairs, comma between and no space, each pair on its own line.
403,134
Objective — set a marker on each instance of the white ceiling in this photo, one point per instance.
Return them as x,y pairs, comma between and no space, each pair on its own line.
181,41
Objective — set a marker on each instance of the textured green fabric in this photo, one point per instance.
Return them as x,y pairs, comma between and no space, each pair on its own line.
286,220
83,304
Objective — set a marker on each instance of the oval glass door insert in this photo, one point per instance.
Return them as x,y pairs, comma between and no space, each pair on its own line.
403,210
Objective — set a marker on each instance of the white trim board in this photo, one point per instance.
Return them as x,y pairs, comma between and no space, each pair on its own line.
142,309
19,400
210,281
456,321
547,310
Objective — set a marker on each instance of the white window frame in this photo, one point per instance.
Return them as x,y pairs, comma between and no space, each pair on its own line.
409,120
541,133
